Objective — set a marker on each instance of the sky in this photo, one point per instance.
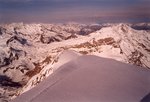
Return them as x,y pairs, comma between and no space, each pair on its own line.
84,11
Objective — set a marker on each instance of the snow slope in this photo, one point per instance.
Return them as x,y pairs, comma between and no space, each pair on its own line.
58,61
92,79
65,57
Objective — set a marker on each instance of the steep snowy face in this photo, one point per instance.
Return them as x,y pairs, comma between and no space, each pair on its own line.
30,52
133,45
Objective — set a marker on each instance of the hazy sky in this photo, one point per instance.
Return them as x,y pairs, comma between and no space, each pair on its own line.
58,11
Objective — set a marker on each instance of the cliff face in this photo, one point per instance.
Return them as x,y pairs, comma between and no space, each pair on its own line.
30,52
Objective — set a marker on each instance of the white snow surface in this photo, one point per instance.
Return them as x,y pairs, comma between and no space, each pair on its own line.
92,79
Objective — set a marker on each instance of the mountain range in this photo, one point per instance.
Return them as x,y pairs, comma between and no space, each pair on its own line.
30,53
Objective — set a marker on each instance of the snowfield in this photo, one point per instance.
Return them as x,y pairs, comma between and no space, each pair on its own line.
92,79
30,53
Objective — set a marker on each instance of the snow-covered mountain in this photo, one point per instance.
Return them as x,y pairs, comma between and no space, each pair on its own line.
31,52
91,78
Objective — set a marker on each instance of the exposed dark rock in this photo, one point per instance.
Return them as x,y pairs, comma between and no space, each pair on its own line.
135,58
16,38
141,27
7,82
2,30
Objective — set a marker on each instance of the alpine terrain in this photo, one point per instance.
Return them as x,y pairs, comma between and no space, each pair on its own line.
29,53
